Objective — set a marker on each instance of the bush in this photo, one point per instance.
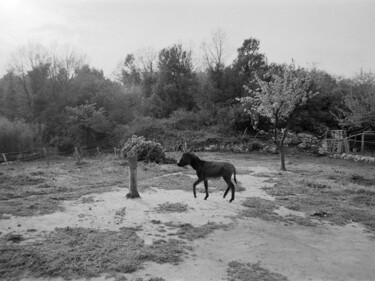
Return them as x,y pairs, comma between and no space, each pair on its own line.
189,120
66,145
146,127
148,151
16,135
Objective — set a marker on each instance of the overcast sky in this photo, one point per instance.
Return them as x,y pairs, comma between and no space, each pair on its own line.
336,35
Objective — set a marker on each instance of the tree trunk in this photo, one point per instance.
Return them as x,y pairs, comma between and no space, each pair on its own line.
281,148
282,158
132,160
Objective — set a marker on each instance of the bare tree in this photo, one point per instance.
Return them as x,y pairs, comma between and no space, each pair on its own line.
216,50
43,74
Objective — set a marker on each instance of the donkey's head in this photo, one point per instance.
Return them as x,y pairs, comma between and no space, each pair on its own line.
187,158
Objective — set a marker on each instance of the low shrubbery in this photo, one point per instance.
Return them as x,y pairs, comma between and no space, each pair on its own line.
148,151
16,135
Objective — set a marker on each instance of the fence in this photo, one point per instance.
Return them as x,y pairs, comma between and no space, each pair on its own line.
363,143
48,153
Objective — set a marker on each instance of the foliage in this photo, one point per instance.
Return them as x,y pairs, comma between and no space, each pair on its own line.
87,126
148,151
279,101
176,81
279,98
318,114
189,120
16,135
158,94
360,101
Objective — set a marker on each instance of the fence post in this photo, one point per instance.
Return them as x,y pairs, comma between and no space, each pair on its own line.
47,156
100,154
133,191
362,142
114,149
5,159
78,156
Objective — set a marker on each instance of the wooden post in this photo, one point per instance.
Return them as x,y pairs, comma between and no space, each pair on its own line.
132,160
47,156
5,159
114,149
363,142
100,154
78,156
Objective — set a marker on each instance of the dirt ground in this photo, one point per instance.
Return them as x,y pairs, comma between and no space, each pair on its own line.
256,237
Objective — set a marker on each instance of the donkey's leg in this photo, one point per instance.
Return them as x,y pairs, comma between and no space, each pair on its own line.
230,186
233,191
194,187
226,191
206,187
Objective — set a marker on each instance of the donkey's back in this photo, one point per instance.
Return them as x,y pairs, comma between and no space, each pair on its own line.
213,169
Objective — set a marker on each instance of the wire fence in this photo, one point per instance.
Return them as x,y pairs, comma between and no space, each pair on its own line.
50,153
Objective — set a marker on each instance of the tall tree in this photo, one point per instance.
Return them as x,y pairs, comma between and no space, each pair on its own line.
9,106
216,51
176,82
279,100
139,70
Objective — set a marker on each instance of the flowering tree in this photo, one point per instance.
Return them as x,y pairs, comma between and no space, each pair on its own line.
278,99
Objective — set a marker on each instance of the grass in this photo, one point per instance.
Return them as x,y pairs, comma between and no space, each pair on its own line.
172,208
189,232
252,272
32,188
83,253
338,191
265,210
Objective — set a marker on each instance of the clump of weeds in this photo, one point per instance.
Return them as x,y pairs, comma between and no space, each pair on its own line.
252,272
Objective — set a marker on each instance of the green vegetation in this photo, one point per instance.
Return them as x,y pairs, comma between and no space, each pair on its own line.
162,96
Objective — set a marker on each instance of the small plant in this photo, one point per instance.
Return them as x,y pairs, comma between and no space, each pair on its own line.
148,151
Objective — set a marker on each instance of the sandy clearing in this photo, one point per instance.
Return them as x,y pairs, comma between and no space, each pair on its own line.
324,252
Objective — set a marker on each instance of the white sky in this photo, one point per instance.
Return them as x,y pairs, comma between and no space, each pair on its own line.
336,35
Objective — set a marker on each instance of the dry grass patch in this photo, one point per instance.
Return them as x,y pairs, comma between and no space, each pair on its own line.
341,193
265,210
34,189
189,232
172,208
252,272
83,253
168,182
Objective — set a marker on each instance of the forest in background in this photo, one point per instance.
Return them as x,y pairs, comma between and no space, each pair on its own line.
55,98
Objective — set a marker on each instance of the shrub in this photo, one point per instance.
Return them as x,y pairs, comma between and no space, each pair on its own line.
146,127
15,135
189,120
66,145
148,151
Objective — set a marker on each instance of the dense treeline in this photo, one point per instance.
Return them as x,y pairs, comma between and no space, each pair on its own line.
56,98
